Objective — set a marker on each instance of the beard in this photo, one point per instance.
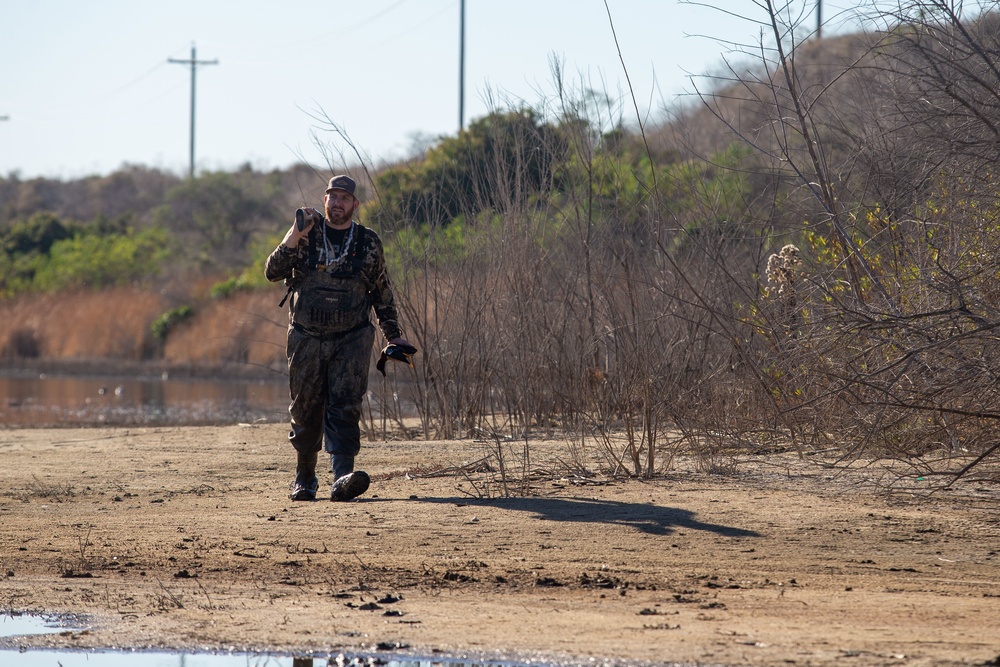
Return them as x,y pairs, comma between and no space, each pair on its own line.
338,217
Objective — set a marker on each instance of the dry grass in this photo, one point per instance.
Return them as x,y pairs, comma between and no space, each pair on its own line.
247,328
80,325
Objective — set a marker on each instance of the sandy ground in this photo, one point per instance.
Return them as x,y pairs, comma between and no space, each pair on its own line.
184,538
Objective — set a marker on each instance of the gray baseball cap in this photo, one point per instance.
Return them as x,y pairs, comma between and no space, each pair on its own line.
342,182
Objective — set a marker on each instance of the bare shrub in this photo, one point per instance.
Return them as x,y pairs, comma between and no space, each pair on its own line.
828,287
882,341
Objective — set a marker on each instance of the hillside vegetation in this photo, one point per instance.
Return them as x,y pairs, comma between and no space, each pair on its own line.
806,259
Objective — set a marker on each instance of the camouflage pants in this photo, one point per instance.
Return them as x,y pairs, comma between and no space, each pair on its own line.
327,381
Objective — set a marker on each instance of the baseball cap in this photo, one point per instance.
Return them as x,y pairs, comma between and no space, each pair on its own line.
342,182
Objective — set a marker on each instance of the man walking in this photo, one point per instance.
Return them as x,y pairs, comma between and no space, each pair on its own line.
335,271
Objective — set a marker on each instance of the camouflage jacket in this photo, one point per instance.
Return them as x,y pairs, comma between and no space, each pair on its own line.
365,262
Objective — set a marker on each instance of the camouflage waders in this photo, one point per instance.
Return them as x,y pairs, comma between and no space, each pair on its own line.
327,380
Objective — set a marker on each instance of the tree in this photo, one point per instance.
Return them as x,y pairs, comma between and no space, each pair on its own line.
880,331
497,163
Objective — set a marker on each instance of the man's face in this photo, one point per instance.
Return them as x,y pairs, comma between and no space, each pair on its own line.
340,207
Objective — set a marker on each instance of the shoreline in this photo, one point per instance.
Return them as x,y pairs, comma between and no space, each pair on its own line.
140,370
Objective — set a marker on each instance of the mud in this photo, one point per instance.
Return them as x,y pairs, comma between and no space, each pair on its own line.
183,538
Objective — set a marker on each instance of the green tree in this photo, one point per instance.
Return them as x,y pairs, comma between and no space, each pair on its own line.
34,235
103,261
498,163
216,215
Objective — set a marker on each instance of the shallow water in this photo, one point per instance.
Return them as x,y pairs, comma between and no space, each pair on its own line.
17,625
140,659
20,625
161,659
42,399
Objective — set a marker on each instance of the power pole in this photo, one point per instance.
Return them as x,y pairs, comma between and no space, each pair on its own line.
461,68
819,19
194,62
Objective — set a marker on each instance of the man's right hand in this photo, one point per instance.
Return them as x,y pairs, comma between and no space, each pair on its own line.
310,217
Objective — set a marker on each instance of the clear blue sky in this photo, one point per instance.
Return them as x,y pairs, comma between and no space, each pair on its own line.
86,85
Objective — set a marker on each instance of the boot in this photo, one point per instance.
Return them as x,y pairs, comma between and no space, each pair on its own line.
350,486
347,484
306,483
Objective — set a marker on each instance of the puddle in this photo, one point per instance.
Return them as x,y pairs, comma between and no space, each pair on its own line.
43,658
46,658
19,625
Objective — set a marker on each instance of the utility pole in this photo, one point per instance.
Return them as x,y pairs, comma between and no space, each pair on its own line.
819,19
194,62
461,67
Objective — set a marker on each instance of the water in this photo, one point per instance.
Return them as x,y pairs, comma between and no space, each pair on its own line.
20,625
43,658
142,659
162,659
40,399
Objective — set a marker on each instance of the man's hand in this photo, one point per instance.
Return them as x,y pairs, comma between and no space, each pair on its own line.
310,217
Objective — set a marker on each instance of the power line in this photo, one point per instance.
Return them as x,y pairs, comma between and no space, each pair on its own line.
371,18
136,80
194,62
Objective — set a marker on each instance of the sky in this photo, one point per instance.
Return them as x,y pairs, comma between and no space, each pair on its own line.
86,86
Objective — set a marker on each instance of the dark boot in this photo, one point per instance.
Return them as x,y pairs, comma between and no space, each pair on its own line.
347,484
350,486
306,483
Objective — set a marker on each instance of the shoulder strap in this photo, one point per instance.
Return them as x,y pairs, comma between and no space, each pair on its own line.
357,259
285,298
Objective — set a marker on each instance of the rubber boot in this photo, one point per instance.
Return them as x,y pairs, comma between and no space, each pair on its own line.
347,484
306,483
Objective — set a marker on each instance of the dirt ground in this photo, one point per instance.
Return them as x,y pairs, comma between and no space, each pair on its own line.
183,537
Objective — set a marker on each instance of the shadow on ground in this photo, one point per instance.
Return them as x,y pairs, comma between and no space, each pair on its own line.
648,518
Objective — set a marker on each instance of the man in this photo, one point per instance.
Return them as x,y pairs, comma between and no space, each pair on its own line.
335,271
